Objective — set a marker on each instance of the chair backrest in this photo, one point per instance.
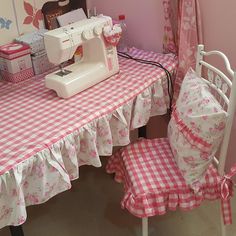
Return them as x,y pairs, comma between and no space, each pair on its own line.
224,89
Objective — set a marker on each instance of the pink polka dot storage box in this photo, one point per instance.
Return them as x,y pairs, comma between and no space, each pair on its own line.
15,62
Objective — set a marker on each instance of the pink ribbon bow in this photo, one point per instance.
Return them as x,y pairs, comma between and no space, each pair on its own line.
226,189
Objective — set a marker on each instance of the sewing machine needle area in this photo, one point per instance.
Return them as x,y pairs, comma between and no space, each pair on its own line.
99,60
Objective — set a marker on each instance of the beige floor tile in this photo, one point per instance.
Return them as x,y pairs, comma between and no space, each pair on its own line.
92,208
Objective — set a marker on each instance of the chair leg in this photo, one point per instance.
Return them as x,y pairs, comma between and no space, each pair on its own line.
16,230
142,132
222,226
145,226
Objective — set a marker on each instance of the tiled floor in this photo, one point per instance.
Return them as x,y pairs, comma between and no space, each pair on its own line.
91,208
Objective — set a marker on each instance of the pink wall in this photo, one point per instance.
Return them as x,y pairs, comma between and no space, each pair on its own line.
219,26
219,32
145,22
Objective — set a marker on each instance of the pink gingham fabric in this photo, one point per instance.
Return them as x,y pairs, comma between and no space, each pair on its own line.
226,193
154,184
45,139
33,117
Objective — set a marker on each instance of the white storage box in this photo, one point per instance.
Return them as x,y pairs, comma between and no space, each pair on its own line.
41,63
34,40
15,63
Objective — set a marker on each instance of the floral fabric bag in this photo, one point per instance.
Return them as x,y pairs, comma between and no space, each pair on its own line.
196,128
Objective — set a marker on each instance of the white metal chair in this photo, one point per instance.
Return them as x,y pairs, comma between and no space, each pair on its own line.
147,168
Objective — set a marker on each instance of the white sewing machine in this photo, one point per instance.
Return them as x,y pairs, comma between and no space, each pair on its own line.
99,59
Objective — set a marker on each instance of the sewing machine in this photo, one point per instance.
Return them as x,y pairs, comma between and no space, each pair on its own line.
99,59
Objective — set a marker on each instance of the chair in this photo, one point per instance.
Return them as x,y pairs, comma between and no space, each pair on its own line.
52,9
153,181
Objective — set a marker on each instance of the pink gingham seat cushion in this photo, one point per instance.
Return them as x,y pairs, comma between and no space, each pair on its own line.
153,182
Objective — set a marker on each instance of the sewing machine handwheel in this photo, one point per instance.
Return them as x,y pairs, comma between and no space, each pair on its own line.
87,35
97,30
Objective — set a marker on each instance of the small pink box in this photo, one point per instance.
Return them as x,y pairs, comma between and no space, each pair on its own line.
15,63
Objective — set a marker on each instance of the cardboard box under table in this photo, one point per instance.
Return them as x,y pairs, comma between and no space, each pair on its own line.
15,63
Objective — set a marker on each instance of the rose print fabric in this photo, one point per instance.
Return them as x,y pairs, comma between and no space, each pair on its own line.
170,43
196,128
45,139
182,34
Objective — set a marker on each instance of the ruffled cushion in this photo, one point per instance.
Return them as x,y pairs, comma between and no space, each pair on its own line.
196,128
153,182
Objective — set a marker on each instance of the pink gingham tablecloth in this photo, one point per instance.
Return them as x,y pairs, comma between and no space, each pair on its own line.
44,139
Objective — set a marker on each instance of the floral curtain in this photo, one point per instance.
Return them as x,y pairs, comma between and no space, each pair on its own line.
182,34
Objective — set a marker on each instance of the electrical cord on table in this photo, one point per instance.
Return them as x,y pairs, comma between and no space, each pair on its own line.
159,65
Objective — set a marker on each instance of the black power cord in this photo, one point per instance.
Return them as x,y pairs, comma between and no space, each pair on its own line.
159,65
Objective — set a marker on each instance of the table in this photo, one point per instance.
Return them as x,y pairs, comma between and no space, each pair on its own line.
45,139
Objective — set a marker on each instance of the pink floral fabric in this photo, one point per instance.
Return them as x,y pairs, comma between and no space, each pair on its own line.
51,168
51,171
196,128
182,34
170,43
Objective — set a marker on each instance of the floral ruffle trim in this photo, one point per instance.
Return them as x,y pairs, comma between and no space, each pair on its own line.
51,171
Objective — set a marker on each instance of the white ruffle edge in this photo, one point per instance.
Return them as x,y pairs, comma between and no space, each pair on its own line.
51,171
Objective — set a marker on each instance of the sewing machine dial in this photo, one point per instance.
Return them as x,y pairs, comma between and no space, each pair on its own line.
87,35
97,30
